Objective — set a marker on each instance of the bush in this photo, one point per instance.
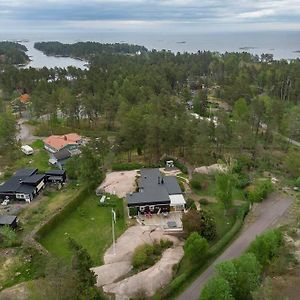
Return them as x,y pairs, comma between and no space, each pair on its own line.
243,180
195,248
297,182
8,237
195,184
181,166
190,204
181,184
126,166
203,201
147,255
266,246
260,191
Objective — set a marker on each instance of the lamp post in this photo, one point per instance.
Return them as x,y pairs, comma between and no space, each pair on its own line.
113,221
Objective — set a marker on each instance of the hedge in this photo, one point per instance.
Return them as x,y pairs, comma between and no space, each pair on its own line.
132,166
179,282
59,216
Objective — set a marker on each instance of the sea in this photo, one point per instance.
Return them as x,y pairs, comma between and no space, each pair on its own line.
282,44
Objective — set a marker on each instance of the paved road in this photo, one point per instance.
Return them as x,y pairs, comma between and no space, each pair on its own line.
267,215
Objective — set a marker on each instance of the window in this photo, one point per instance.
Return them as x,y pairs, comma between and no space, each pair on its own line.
142,208
151,207
20,196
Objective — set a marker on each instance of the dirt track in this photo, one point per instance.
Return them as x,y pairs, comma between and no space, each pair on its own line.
266,216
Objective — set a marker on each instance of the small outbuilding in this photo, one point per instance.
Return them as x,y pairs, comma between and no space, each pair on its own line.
7,220
56,176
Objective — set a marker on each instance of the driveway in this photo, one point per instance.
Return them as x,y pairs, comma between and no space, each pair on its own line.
25,134
267,214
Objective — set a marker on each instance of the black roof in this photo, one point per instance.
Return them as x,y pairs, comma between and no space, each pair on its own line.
25,172
7,220
56,172
24,181
62,154
154,188
34,179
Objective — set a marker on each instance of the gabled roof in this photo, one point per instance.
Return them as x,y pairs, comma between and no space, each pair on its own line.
25,172
59,141
34,179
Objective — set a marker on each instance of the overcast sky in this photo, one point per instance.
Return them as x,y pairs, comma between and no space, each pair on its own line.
150,15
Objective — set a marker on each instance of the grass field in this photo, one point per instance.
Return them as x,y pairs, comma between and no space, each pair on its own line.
89,225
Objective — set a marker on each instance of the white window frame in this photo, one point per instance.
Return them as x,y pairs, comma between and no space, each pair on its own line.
142,208
152,207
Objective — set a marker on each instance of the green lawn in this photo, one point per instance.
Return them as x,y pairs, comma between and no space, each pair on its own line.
89,225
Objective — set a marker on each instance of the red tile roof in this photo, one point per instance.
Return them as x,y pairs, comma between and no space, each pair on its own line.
59,141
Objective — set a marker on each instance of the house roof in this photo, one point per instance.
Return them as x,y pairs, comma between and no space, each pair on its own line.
62,154
154,188
34,179
23,181
55,172
7,220
59,141
24,98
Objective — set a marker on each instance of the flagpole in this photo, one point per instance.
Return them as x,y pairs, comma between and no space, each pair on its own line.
113,220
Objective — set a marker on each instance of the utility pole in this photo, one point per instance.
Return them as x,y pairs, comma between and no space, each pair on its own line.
113,221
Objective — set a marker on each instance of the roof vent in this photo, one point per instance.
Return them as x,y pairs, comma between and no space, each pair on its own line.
162,180
158,179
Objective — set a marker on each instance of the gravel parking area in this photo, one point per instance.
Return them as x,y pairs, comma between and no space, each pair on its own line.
119,183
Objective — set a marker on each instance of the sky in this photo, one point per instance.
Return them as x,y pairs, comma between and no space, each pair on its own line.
150,15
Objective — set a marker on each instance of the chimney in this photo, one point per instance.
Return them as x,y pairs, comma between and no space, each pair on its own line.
158,179
162,180
65,137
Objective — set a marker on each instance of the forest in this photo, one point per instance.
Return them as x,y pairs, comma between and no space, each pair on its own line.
13,53
85,50
141,101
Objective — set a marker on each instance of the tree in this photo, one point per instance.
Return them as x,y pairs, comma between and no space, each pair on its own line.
200,102
191,222
7,132
195,248
248,276
90,166
266,246
86,279
224,187
217,288
292,162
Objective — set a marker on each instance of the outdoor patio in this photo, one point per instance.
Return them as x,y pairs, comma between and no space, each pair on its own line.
171,221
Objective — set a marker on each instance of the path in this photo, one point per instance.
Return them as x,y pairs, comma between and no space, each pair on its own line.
268,214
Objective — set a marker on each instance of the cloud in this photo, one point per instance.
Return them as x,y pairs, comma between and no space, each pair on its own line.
150,13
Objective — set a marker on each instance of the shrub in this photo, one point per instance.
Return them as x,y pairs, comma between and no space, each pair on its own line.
126,166
195,184
181,184
243,180
8,237
216,288
297,182
203,201
181,166
190,204
260,191
208,225
266,246
195,248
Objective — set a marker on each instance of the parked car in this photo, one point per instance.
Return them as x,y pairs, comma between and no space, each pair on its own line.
27,150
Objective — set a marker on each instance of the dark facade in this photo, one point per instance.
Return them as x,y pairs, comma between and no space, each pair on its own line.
56,176
25,184
154,193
